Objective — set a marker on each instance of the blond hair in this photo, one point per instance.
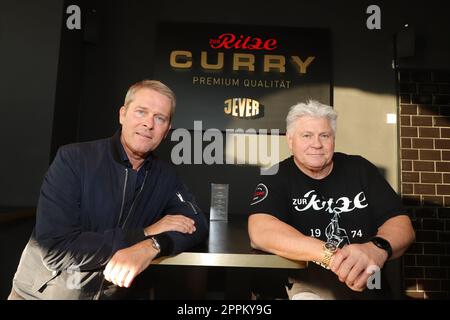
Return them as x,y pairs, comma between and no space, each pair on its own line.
151,85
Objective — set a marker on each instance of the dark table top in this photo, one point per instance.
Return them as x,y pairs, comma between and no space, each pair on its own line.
229,246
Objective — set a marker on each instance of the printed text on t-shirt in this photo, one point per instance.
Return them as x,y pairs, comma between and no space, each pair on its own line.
343,204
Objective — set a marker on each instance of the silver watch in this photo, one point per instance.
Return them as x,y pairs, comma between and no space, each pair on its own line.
155,243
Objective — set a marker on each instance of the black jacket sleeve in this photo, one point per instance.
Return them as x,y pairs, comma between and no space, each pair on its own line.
183,202
59,232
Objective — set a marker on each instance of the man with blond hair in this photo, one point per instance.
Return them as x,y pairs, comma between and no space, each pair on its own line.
107,208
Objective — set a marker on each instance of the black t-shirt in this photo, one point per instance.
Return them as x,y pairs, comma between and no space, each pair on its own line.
346,207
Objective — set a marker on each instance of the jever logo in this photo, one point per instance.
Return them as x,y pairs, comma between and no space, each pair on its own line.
243,108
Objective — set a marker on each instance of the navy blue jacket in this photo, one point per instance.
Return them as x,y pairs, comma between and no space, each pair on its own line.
91,206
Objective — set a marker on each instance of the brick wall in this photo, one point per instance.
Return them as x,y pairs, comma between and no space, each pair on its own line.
424,98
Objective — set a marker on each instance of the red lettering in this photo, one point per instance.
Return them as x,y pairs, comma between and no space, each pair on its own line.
230,41
270,44
256,44
245,43
237,44
225,40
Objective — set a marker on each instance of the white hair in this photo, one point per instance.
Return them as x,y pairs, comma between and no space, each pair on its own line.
313,109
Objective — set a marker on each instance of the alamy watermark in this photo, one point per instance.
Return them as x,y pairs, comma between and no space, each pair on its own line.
73,281
373,22
374,280
234,146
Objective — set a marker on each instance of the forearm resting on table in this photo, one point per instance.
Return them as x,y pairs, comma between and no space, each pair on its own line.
269,234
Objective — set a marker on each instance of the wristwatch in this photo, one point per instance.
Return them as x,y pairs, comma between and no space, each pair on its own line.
155,243
382,244
328,250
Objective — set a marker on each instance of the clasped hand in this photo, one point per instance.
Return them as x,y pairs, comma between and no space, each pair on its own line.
354,264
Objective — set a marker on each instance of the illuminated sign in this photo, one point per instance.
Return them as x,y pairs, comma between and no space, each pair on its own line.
244,108
231,41
233,76
241,61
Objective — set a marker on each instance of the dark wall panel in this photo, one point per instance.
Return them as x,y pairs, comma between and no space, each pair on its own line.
29,51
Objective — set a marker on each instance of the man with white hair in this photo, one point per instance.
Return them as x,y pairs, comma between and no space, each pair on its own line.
329,208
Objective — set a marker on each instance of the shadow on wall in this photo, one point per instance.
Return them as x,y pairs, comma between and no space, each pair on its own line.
425,263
